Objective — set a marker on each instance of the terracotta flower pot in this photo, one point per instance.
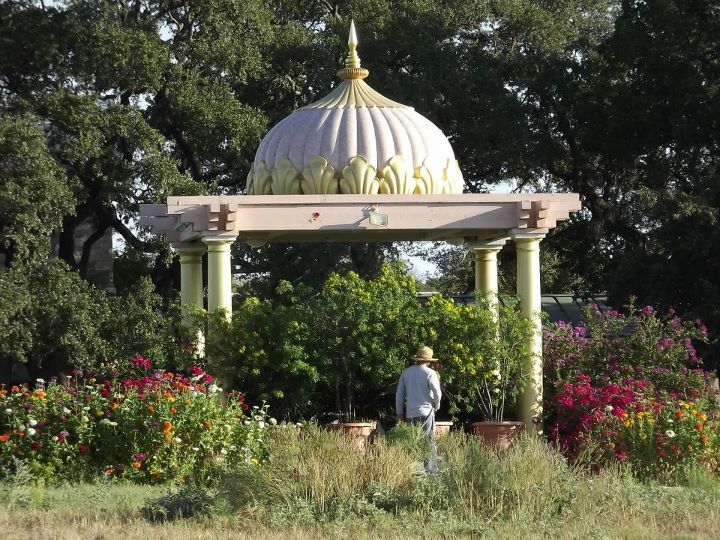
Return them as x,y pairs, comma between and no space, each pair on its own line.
442,428
357,432
500,435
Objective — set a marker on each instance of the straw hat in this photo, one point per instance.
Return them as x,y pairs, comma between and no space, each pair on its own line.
424,354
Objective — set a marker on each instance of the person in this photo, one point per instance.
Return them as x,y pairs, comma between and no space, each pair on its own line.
417,398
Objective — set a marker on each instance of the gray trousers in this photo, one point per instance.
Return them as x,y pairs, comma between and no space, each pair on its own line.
427,424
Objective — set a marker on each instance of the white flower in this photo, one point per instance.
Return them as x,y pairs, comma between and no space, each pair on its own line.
108,422
84,419
86,408
299,424
55,438
194,393
608,408
670,421
246,422
261,424
195,448
496,390
113,423
223,452
272,421
40,381
670,433
177,439
66,410
233,447
8,412
32,421
213,388
496,373
31,431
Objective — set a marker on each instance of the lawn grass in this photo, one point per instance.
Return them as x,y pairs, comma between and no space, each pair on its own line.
319,486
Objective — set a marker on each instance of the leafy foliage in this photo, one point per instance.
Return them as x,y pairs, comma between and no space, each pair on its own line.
483,354
57,320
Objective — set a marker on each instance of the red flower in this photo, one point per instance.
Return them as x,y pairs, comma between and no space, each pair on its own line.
36,445
83,449
699,426
141,362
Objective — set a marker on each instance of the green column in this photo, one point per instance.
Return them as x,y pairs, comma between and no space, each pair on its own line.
528,290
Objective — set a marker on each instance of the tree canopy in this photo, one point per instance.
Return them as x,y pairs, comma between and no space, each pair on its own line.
109,104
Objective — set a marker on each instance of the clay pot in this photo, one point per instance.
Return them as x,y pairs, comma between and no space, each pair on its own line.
357,432
442,428
499,435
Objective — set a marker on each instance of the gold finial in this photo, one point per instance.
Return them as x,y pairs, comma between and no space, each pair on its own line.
352,69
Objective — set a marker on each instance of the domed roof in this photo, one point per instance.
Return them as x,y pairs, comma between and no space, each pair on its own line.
354,140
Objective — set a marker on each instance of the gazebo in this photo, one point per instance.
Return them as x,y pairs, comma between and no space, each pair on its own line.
356,166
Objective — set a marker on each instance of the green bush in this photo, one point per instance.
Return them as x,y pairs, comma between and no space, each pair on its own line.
342,348
52,319
186,502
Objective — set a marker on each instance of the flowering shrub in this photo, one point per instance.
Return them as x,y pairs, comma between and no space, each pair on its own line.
153,427
631,388
482,355
643,345
627,423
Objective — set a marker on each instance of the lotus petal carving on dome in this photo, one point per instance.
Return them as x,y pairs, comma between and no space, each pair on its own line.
259,180
429,180
397,178
285,178
319,178
453,176
358,178
249,186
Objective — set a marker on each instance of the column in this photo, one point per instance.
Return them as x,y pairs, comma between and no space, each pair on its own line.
219,273
528,290
486,271
191,288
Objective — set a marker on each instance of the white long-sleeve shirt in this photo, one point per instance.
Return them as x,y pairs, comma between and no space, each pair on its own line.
418,392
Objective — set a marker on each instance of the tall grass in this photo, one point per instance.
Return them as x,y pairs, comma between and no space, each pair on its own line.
317,484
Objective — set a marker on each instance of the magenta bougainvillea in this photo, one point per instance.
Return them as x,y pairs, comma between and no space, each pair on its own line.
630,388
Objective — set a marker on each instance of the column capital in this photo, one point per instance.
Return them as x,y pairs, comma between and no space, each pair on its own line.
487,245
189,249
218,243
528,236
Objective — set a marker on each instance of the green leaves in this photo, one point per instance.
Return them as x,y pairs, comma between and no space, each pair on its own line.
34,192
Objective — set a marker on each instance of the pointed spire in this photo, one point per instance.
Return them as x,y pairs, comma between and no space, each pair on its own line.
352,68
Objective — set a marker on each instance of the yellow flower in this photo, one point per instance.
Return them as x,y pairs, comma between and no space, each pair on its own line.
99,413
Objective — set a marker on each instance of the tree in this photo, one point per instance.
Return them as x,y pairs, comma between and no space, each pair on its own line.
34,192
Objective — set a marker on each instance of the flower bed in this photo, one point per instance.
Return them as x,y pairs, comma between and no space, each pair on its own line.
631,389
154,426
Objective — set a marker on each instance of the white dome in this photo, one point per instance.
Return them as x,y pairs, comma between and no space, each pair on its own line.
355,141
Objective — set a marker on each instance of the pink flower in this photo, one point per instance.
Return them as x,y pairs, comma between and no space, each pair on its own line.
141,362
195,370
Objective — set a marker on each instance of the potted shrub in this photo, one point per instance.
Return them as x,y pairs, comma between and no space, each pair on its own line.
484,354
362,333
